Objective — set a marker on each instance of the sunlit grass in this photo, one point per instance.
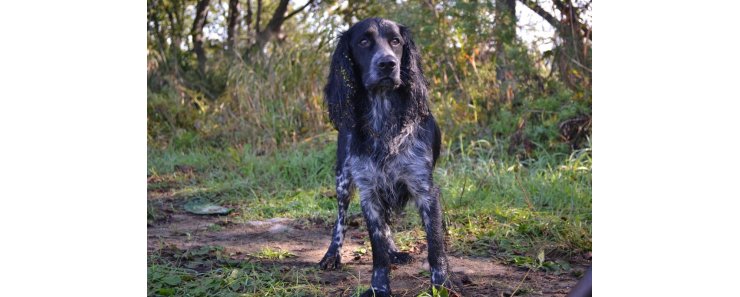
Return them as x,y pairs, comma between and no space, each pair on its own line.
491,205
273,254
244,279
496,207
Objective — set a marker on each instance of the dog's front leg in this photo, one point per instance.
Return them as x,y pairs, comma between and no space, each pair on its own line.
431,215
376,226
333,258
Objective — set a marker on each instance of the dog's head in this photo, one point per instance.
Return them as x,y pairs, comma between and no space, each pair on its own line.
374,55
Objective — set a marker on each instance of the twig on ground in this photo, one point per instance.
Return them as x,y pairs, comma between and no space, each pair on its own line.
520,282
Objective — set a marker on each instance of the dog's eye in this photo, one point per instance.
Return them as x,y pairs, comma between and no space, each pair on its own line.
364,43
395,41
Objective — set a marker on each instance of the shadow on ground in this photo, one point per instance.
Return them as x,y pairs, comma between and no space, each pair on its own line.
203,243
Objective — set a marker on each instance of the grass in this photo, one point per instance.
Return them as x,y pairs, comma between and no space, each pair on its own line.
273,254
247,279
511,210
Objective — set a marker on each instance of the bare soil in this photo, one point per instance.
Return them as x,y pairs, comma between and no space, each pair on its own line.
173,228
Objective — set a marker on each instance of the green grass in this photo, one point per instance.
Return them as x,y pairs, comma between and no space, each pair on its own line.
494,206
244,279
273,254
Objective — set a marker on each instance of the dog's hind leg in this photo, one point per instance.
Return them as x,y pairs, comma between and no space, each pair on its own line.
396,256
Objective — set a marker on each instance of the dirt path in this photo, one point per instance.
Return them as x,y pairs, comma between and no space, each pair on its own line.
176,229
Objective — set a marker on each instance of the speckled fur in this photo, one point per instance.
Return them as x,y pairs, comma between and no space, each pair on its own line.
388,144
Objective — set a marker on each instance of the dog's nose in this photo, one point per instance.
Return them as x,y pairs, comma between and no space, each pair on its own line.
387,63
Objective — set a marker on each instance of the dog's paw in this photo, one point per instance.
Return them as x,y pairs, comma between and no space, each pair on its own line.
330,262
401,258
371,293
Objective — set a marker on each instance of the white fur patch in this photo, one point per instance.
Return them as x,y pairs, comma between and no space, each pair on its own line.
381,107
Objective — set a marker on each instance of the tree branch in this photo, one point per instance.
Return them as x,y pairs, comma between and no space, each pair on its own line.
566,8
541,12
273,27
299,9
259,14
201,13
277,17
560,5
233,18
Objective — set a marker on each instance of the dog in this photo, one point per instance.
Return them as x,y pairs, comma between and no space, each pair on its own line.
388,144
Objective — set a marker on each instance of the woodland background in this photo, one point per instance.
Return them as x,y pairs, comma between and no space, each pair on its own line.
252,72
235,118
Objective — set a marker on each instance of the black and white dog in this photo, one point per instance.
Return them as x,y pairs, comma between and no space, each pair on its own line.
388,143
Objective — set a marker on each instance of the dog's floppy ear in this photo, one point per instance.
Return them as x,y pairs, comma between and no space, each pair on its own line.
412,73
341,87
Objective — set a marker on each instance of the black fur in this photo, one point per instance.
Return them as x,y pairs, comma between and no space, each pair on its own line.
388,143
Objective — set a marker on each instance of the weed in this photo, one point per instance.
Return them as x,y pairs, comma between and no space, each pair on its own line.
273,254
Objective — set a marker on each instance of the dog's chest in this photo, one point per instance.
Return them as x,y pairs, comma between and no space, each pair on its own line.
390,155
384,125
397,161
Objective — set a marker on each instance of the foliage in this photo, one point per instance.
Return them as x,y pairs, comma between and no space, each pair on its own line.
251,132
273,254
237,278
272,98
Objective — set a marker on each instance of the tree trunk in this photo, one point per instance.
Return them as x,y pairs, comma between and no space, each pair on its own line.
201,11
175,30
257,17
154,17
273,27
248,20
233,20
505,34
572,56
